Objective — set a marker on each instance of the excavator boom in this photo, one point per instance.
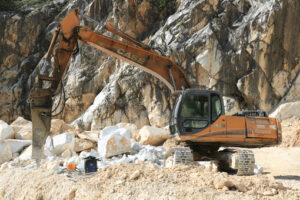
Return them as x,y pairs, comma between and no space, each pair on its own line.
139,55
70,31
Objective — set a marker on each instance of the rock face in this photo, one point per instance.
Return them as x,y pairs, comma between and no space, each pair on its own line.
246,49
114,141
23,43
287,110
231,105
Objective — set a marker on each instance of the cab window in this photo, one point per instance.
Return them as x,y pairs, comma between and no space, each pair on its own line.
216,107
195,112
195,106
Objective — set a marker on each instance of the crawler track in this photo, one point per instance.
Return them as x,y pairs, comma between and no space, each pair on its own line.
246,162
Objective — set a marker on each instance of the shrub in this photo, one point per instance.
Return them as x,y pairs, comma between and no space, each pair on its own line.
7,5
168,4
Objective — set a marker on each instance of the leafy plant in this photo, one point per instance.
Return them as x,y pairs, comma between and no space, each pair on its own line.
13,5
168,4
7,5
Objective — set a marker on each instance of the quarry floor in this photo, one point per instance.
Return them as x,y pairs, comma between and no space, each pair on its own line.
147,181
283,163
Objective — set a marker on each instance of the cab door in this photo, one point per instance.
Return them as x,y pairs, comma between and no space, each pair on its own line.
193,115
218,121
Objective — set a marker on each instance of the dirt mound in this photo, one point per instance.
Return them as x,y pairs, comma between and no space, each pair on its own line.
291,132
140,181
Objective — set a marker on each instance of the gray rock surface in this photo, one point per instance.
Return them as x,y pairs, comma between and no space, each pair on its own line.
114,141
17,146
246,49
22,129
5,152
6,131
63,142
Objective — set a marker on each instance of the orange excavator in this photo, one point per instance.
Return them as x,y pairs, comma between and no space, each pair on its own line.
197,117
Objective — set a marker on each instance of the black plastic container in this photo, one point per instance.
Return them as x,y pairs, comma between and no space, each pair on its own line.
90,164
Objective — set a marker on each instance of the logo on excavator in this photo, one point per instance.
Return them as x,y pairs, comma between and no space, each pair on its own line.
132,56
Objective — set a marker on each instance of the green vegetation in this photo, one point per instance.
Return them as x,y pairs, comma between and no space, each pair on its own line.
165,4
7,5
13,5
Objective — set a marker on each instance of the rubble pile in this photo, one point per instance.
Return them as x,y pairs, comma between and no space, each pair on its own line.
140,181
130,162
291,132
122,143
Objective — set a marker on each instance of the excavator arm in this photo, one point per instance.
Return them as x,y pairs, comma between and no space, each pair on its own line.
70,31
137,54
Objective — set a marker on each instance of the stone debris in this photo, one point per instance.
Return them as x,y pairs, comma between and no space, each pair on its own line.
17,146
135,147
5,152
119,152
26,154
22,128
291,132
114,141
15,155
153,136
59,126
6,131
151,154
83,144
92,136
92,152
74,159
67,153
4,166
258,169
135,175
62,142
116,144
209,165
221,183
56,125
271,192
241,187
50,164
134,131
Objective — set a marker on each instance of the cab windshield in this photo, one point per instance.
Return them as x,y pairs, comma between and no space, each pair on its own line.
194,112
195,106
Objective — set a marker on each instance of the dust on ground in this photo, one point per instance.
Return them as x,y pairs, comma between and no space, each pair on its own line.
283,163
291,132
141,181
280,180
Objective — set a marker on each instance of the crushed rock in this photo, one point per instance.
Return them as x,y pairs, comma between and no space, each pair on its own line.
140,181
291,132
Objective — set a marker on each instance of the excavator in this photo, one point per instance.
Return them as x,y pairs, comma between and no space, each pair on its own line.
197,119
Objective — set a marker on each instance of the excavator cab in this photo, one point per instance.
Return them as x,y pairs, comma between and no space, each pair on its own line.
195,110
